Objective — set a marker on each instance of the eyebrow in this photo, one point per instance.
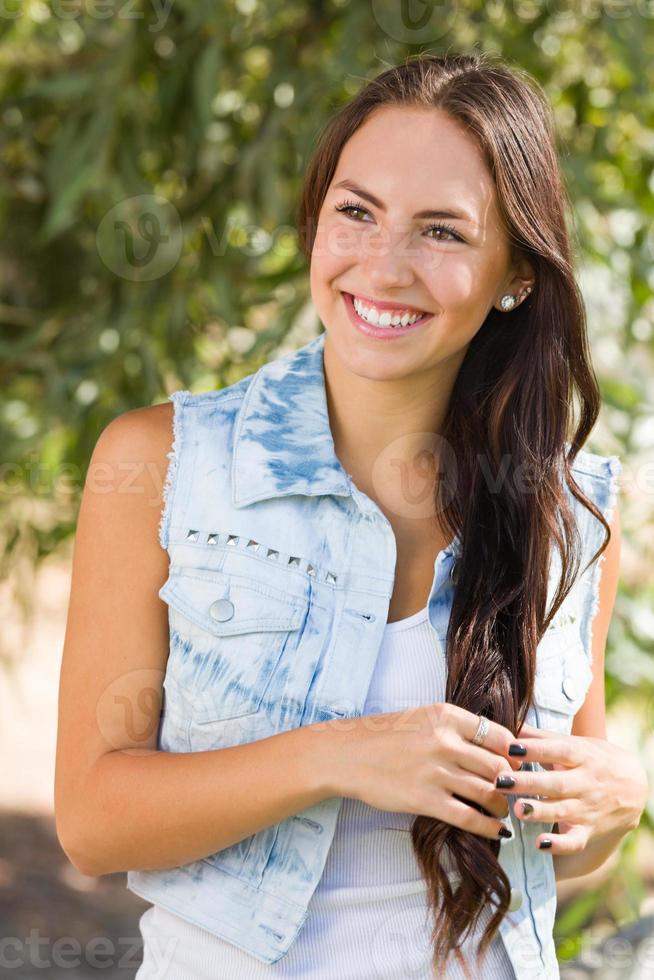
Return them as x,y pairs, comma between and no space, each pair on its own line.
457,215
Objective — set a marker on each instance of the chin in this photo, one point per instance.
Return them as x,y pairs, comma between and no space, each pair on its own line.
357,357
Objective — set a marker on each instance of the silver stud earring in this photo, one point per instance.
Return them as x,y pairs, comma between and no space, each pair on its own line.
508,302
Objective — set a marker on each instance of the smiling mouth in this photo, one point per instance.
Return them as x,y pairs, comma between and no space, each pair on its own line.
384,330
384,321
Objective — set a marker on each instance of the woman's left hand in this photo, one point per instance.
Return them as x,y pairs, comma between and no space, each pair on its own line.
593,789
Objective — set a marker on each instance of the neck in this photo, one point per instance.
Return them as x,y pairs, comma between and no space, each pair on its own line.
386,431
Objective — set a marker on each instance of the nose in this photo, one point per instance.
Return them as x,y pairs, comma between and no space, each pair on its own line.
386,260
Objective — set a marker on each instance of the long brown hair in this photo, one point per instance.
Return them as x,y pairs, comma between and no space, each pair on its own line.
512,401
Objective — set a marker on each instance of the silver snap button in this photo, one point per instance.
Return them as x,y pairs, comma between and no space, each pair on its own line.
570,688
222,610
515,900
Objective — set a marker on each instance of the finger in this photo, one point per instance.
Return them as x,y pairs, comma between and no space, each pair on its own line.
573,839
557,784
478,791
496,741
533,730
468,818
547,811
480,762
566,750
530,730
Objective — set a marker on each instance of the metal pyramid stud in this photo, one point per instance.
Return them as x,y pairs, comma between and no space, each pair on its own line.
272,553
293,561
213,538
253,545
192,536
311,570
331,578
232,540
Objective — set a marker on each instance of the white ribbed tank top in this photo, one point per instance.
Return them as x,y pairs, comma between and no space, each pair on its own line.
368,915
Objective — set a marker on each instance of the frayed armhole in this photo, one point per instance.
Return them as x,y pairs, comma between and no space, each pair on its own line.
170,482
613,468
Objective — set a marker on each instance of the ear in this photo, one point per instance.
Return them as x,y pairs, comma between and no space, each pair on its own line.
521,276
520,283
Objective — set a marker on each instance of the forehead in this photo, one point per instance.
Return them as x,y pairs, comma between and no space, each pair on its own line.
414,158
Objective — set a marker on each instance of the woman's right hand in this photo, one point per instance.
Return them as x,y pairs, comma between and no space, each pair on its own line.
419,760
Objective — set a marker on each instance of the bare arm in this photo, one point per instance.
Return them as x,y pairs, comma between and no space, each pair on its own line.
119,803
590,720
161,809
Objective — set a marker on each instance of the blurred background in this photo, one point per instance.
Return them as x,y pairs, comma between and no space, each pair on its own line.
151,155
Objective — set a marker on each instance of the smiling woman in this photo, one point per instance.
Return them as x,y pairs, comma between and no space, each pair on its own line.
382,560
470,227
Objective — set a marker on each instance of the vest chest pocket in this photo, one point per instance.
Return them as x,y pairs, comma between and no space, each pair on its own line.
563,677
227,636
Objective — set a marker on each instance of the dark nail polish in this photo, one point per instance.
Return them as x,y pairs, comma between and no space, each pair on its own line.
517,749
503,782
545,843
505,832
527,808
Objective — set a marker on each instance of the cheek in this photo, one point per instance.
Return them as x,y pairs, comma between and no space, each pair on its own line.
463,288
323,292
334,249
452,279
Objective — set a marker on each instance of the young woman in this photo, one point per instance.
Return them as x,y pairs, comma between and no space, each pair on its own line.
369,586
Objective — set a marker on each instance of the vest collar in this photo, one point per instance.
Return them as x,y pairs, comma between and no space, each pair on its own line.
282,440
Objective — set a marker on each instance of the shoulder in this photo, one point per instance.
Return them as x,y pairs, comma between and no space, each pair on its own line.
122,494
595,465
599,478
140,434
123,487
148,432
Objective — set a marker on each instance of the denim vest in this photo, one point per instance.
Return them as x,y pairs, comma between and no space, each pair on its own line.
280,578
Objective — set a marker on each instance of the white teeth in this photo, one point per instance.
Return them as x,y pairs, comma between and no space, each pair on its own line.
385,318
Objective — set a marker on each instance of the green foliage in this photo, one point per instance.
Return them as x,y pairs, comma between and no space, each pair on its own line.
151,157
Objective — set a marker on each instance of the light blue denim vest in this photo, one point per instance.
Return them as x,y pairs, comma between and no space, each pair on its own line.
280,578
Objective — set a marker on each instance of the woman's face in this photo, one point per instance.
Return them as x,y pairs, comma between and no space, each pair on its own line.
410,160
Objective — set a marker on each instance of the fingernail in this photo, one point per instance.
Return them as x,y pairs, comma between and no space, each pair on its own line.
505,832
517,749
527,808
546,842
503,782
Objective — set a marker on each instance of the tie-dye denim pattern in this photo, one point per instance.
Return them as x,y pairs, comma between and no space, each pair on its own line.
280,577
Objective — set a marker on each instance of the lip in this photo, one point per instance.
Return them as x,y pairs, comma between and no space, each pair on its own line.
385,305
380,333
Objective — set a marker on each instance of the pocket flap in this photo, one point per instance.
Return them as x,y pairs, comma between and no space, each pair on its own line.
226,605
